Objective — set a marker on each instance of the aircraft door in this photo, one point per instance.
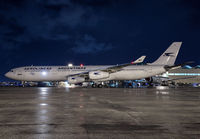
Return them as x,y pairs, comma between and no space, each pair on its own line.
19,75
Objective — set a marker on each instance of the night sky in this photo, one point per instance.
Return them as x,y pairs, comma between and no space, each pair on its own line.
95,32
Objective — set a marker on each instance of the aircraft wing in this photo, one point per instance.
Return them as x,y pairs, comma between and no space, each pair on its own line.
177,66
111,69
119,67
81,74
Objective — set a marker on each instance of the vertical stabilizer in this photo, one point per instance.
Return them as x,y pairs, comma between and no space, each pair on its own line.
169,56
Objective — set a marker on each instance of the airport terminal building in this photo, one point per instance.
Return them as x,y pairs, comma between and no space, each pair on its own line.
186,74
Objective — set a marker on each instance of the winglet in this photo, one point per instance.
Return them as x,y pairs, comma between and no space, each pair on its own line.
139,60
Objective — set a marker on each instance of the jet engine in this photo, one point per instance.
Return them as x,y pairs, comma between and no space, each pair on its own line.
149,80
96,75
75,80
157,80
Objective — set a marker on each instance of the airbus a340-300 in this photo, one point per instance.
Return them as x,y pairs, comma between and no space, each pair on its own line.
79,74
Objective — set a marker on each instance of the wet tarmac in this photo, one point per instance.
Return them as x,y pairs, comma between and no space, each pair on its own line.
106,113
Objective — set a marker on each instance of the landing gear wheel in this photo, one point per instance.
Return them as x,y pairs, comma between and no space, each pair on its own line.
94,85
100,85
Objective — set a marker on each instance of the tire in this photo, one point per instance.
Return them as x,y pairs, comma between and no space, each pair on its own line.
100,85
94,85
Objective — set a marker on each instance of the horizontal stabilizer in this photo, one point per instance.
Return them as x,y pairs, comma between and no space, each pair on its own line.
177,66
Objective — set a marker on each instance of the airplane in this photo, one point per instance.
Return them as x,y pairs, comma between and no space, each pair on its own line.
98,74
55,73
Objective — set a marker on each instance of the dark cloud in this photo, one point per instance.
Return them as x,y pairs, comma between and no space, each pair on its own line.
51,20
55,2
89,45
95,3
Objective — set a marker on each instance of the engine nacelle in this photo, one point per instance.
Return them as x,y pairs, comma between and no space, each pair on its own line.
156,79
75,80
149,80
96,75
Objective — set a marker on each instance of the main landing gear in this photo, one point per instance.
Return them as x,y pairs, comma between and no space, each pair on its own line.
97,85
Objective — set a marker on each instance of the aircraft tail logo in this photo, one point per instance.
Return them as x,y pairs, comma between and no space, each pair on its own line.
169,56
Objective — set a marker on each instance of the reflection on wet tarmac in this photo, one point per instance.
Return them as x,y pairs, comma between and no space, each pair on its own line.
43,104
162,92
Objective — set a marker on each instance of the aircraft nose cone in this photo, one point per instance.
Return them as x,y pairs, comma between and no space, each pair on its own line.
7,74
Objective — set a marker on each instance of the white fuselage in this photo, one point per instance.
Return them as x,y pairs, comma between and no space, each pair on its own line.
60,73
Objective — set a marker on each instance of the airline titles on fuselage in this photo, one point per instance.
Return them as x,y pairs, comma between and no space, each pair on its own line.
49,68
